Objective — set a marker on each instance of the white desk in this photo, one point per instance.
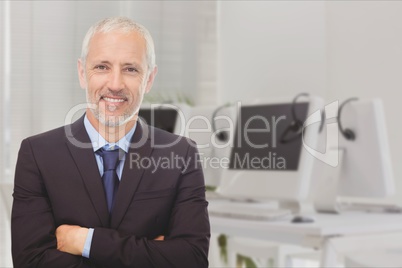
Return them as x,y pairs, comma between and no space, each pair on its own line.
315,235
386,258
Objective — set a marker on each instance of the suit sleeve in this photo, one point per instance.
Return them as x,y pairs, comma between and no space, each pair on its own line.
32,225
187,241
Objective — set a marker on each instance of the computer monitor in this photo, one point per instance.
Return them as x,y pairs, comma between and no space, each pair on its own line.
365,168
169,117
366,165
204,123
267,161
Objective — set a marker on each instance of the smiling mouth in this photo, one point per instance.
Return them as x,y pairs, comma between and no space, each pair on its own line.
114,100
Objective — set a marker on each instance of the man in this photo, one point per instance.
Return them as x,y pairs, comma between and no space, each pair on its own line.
75,207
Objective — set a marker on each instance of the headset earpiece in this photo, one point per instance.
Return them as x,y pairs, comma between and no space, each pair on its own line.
348,134
222,136
296,126
295,129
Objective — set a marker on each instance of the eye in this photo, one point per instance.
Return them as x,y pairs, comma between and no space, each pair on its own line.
100,67
131,69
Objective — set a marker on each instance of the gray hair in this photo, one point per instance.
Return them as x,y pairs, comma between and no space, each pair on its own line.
125,25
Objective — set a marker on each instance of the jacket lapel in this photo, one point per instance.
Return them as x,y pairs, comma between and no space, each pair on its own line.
131,177
81,150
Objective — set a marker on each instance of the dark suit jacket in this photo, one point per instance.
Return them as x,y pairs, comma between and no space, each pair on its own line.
57,182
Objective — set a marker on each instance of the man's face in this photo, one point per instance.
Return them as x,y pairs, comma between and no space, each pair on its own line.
115,77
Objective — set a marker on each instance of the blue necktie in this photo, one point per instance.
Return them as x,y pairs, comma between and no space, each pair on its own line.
110,178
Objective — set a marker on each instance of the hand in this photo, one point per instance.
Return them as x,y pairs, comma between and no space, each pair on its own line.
160,238
71,238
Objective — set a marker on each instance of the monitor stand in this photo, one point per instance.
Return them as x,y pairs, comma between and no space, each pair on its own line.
298,207
326,194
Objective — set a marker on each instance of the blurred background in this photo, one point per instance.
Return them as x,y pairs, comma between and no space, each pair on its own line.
209,53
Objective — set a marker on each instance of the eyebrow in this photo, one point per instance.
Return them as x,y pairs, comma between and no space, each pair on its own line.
136,65
131,64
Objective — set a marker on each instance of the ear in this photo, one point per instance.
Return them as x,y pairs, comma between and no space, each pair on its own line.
81,74
151,79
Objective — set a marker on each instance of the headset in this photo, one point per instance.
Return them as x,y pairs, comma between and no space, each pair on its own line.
347,133
296,126
221,135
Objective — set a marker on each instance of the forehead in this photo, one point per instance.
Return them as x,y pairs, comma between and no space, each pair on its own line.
115,43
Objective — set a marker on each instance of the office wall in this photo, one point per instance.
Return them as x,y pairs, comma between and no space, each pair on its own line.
365,60
2,83
336,49
271,48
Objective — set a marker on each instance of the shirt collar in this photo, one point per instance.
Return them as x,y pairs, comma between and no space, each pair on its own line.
98,141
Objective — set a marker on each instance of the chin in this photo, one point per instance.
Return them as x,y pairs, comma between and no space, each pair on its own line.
115,121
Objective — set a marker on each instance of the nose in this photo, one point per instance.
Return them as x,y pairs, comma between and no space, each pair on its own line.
116,81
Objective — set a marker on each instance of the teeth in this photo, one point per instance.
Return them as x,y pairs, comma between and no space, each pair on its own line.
113,100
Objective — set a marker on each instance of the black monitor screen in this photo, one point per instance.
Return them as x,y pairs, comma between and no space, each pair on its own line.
264,140
163,118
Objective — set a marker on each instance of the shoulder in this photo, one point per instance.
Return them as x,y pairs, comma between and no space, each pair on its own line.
43,148
55,137
48,137
50,134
